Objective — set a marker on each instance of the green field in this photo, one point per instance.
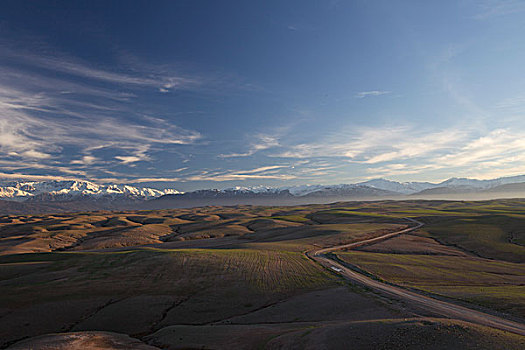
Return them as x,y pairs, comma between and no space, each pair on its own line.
173,271
492,236
491,283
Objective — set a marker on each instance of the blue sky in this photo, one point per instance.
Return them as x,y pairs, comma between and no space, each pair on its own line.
200,94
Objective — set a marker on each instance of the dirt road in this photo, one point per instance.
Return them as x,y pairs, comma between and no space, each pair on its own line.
439,307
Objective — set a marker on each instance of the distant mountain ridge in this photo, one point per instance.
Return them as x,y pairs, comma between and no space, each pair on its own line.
64,191
75,190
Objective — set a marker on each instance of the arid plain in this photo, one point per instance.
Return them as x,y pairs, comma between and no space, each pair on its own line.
242,277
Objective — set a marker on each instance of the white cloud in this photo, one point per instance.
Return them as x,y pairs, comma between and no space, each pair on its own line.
240,177
397,169
35,154
18,176
364,94
149,179
60,113
39,126
138,76
498,153
86,160
376,145
499,147
128,159
264,169
266,172
262,142
403,150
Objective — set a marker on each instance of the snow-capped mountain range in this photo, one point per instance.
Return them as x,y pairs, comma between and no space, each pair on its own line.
409,188
71,190
75,190
389,187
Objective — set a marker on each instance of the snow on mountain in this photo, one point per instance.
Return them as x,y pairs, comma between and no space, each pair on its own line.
73,190
482,184
465,183
372,185
12,192
400,187
351,190
253,189
69,190
302,190
408,187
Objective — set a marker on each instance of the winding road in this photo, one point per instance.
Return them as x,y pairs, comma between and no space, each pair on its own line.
443,308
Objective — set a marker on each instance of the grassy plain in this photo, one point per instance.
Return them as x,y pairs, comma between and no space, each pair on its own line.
470,251
166,275
495,284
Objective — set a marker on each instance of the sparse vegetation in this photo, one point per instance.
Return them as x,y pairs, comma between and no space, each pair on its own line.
144,272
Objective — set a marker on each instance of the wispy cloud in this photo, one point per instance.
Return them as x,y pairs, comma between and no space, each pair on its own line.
387,152
85,160
496,149
71,117
270,172
375,145
239,177
63,116
500,152
397,169
496,8
363,94
264,169
262,142
515,103
403,150
19,176
158,77
23,135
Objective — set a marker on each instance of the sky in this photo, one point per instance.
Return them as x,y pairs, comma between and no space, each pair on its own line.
215,94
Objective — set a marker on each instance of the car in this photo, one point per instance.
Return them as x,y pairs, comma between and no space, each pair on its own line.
336,269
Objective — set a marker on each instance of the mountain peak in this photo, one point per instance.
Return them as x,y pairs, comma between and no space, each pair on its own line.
65,190
74,189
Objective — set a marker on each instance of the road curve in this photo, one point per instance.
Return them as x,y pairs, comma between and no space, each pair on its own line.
436,306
